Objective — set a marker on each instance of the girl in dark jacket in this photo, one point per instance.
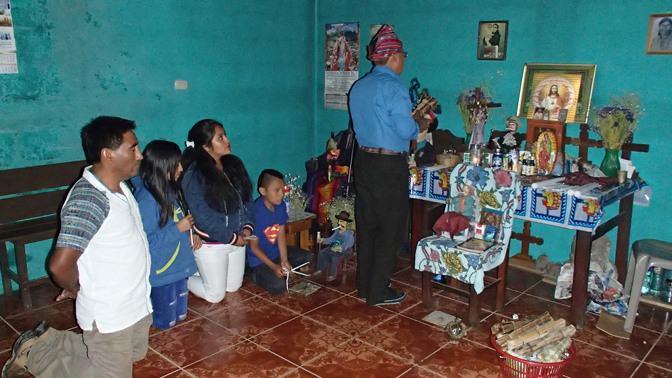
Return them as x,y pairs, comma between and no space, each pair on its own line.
219,192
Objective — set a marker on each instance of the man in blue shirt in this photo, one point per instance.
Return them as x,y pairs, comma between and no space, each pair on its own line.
380,108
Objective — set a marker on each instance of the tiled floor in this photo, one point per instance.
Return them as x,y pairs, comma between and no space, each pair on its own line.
332,333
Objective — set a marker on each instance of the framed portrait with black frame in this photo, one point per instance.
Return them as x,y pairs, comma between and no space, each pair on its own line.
554,87
492,40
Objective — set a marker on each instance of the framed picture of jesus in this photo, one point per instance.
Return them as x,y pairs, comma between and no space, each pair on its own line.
556,87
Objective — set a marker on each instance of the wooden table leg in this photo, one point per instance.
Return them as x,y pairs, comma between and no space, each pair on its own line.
416,222
502,270
304,240
423,216
623,237
474,307
427,289
580,281
4,265
22,270
290,240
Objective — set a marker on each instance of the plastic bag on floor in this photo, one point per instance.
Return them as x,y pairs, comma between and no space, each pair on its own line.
604,290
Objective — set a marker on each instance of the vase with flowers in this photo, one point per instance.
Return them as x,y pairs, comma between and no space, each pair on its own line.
466,98
615,124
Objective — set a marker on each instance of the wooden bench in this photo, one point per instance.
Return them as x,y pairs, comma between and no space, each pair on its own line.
30,199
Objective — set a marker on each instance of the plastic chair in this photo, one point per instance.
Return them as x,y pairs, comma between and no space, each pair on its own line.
645,254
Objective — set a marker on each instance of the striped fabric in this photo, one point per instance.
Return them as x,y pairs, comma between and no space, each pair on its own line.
82,215
384,44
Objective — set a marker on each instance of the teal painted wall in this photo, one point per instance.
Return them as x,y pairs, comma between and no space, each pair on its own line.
441,37
249,65
257,66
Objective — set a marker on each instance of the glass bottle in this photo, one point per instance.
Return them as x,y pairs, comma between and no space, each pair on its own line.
656,281
647,282
286,198
667,290
497,159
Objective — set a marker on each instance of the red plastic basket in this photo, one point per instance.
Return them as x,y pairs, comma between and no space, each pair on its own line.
520,368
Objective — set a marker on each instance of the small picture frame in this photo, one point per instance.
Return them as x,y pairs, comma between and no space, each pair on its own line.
659,39
492,221
492,40
536,127
562,117
491,217
538,113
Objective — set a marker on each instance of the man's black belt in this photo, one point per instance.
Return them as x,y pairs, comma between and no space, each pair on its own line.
381,151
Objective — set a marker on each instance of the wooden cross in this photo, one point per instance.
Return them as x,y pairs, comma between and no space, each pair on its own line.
478,104
525,239
583,141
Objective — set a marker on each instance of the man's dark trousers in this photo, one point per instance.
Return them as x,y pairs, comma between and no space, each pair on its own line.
381,211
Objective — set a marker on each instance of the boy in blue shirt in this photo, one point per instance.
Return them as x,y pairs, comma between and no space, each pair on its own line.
267,252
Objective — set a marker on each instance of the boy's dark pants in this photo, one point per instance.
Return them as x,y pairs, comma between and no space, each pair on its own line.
265,277
382,210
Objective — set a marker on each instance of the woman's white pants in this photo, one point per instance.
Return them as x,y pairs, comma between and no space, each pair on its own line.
220,269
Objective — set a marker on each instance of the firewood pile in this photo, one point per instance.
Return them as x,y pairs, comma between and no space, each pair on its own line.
538,339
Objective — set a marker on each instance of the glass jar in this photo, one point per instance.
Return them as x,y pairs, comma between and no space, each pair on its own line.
476,154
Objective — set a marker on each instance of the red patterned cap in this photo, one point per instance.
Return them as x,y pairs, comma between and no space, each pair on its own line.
383,45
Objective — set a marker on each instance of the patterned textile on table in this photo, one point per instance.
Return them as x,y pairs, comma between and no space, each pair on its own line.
495,189
559,208
429,183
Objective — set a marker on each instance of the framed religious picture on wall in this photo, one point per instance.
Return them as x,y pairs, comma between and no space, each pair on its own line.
659,40
554,87
492,40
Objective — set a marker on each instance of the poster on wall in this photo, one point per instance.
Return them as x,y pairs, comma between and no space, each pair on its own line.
7,43
341,64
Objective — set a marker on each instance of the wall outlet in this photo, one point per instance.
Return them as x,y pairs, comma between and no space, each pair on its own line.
181,85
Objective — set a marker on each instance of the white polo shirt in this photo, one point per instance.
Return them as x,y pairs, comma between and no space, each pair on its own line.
114,267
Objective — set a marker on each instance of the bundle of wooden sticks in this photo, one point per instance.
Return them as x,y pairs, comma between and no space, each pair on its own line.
540,339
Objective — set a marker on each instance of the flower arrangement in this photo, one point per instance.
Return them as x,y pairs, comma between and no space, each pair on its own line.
616,122
467,98
297,199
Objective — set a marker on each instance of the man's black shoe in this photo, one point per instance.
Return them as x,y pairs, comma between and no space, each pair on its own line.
392,297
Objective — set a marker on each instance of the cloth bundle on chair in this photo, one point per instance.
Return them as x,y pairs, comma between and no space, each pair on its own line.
497,191
452,223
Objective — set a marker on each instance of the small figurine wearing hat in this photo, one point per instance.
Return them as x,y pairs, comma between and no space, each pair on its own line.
511,140
340,246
